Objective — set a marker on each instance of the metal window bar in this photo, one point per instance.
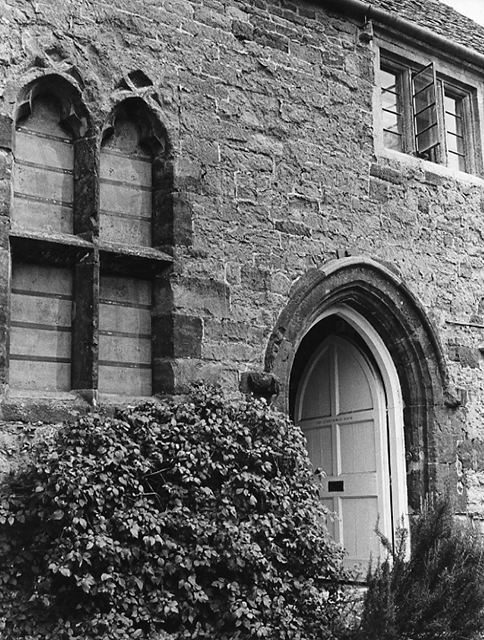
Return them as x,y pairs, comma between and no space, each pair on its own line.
392,123
454,131
425,110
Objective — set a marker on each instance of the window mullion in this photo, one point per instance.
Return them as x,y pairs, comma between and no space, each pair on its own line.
86,191
85,323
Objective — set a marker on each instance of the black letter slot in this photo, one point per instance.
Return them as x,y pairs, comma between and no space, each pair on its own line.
336,485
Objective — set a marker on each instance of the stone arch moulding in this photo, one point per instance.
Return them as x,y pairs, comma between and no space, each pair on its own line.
77,121
392,322
74,114
153,133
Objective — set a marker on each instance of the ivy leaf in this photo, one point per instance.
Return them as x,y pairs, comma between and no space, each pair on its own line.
199,515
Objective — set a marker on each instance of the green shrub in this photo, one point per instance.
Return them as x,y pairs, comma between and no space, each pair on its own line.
169,521
436,594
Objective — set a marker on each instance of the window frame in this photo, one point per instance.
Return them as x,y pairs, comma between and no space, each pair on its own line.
460,84
82,251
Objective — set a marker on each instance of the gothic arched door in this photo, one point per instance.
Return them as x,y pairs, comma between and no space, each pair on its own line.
341,408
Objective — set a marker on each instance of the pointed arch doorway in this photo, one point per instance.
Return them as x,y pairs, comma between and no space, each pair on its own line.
347,400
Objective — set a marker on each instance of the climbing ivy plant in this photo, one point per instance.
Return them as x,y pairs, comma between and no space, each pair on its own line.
197,519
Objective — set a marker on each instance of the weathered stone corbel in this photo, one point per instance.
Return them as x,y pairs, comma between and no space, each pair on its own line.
260,384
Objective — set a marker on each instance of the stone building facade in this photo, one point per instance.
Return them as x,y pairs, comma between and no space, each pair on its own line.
282,196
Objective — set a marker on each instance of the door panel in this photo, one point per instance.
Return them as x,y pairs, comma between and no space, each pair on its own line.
354,392
318,392
319,445
357,442
359,514
342,410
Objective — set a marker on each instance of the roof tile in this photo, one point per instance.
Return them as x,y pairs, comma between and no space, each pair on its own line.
438,17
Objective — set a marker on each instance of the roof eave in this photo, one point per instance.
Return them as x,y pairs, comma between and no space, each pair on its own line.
367,11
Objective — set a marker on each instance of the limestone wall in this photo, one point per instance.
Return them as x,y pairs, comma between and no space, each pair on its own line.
269,109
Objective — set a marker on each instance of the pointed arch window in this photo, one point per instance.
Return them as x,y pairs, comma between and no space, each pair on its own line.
129,149
42,283
85,271
125,184
44,163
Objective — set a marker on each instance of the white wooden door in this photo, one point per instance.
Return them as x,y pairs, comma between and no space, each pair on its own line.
341,408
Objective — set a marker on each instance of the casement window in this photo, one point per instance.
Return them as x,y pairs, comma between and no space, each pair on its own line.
84,284
425,115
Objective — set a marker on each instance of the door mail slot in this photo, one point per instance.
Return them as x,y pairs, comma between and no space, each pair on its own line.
336,485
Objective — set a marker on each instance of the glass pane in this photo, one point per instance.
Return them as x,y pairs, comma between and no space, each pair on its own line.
450,104
424,78
454,133
389,100
424,99
455,143
425,109
453,123
426,119
392,141
428,139
388,80
456,162
391,110
391,121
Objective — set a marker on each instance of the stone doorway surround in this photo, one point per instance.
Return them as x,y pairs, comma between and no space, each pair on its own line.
393,323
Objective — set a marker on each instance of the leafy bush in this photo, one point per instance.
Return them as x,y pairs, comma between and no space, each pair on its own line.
169,521
436,594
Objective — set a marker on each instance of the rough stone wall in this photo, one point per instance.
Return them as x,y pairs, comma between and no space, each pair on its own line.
268,106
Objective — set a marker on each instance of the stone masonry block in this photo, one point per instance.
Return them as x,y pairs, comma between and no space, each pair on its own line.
5,165
378,191
178,336
386,173
6,132
177,375
242,30
293,228
467,356
163,376
5,191
272,40
205,295
175,226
